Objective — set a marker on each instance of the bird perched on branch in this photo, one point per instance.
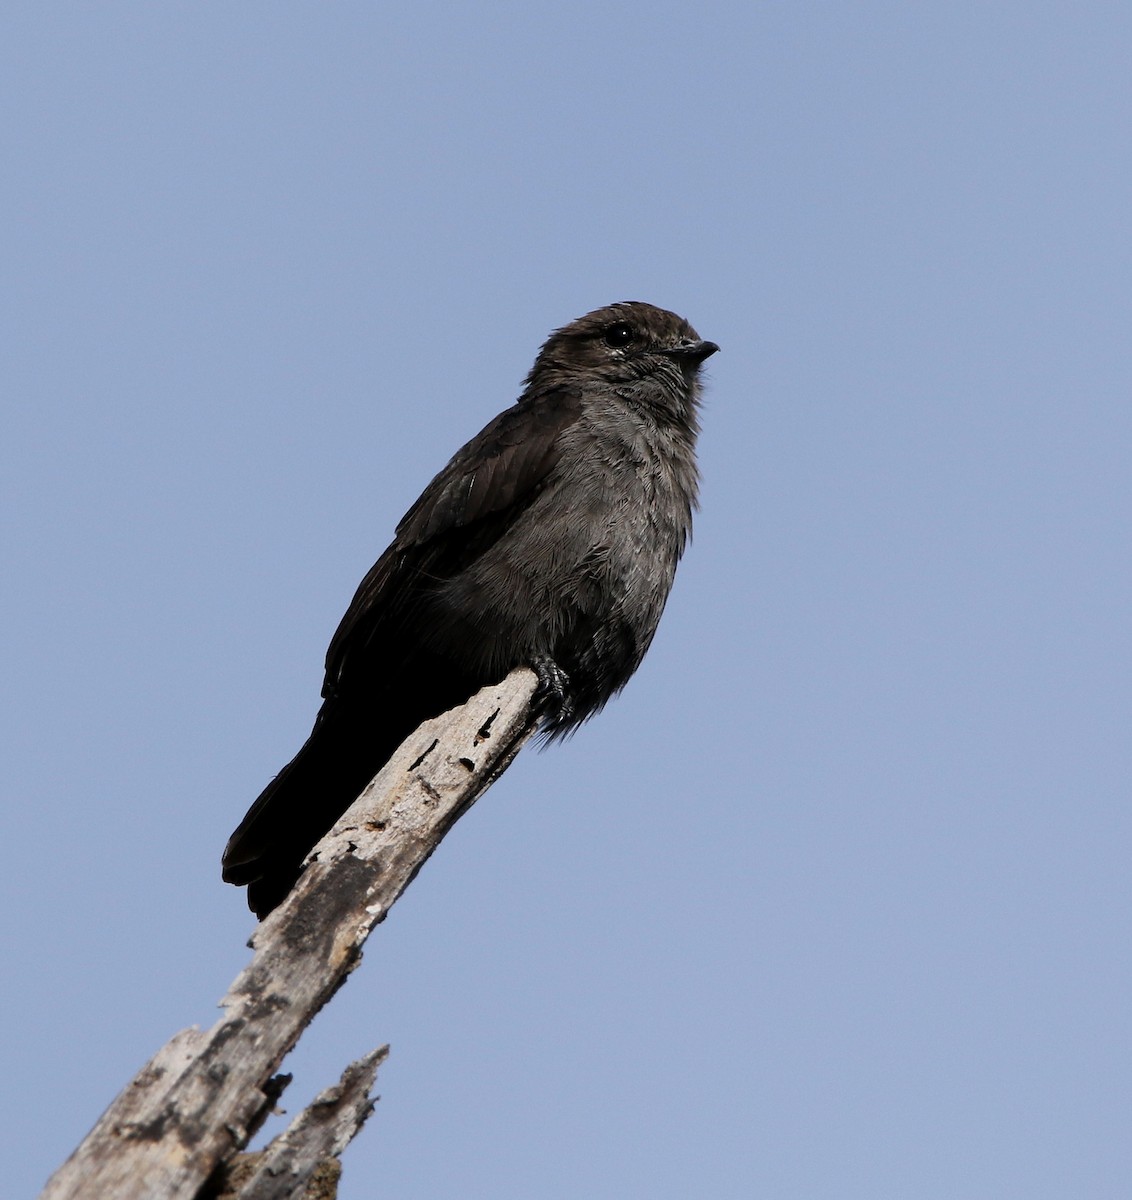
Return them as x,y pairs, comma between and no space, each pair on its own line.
549,541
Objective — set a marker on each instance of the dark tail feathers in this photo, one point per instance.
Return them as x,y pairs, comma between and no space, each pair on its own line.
298,806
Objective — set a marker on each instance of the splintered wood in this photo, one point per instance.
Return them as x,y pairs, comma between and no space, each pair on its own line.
196,1103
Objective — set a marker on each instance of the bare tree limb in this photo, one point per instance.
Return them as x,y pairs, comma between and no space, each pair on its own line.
204,1093
302,1162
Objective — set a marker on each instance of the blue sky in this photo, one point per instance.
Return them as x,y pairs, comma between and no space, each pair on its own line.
834,902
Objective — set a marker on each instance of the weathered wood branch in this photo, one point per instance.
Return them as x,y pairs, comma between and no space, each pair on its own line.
204,1093
302,1162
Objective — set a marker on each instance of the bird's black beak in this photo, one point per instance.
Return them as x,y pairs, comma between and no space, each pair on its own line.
691,351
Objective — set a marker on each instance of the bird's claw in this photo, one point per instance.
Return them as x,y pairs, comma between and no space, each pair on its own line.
552,695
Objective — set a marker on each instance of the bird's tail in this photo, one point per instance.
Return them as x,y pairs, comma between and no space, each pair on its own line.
299,806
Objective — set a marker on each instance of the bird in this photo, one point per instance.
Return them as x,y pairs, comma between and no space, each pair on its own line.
550,540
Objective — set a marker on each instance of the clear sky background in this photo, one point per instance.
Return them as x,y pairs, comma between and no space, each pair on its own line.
834,902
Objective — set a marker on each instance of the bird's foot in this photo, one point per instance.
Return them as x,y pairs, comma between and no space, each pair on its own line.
552,696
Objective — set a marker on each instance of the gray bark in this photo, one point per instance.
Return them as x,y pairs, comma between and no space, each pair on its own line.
302,1162
205,1093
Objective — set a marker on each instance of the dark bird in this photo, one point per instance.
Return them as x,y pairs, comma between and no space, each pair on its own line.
549,541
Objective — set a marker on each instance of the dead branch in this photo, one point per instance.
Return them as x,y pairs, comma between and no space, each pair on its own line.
302,1162
204,1093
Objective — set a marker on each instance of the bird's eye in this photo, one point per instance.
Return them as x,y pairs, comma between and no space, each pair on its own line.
620,334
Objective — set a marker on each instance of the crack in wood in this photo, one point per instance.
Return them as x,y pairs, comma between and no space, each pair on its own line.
416,763
484,731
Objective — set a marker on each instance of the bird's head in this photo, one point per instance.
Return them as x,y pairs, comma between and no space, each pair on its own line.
623,345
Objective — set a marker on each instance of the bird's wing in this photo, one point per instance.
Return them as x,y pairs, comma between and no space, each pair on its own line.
462,512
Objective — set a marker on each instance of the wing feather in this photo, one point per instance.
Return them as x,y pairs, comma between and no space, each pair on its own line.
485,486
